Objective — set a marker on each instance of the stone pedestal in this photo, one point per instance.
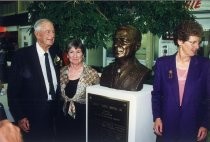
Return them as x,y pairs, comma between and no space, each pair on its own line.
118,115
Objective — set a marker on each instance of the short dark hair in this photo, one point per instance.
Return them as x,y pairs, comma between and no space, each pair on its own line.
186,29
76,43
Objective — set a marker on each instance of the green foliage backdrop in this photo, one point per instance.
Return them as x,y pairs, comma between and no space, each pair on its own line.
96,21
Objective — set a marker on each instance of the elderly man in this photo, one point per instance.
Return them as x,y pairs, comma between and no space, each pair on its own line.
33,85
126,73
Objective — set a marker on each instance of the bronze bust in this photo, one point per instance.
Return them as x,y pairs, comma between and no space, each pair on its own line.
126,72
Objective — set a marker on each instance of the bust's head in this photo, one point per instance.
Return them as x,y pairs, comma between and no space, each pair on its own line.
126,42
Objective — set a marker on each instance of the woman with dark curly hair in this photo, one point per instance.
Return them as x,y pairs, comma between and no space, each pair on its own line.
181,88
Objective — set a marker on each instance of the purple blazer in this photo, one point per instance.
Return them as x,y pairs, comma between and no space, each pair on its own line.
181,122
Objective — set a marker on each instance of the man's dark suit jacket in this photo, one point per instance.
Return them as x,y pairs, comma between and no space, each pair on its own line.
27,94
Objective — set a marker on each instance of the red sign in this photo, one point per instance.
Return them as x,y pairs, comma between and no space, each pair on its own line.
2,29
193,4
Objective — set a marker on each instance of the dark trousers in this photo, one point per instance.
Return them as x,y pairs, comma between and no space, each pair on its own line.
42,126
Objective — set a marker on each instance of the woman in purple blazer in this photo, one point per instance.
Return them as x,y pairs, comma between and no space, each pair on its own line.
180,89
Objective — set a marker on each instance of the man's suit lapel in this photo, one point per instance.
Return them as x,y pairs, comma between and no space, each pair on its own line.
37,67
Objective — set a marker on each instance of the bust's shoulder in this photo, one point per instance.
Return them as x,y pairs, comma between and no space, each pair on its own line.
140,67
109,67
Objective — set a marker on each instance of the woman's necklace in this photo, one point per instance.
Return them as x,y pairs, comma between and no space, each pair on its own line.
74,72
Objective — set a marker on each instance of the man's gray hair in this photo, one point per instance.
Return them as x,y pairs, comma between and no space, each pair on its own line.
38,23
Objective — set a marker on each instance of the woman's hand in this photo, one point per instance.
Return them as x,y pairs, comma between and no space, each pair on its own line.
202,133
158,126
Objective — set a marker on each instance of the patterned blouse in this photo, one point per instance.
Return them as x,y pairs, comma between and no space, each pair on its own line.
88,77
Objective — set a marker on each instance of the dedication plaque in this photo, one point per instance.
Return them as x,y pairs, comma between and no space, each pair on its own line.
107,119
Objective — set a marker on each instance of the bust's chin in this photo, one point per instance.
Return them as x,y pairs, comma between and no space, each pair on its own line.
124,57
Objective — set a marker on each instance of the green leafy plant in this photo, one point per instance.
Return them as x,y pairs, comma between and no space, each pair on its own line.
95,21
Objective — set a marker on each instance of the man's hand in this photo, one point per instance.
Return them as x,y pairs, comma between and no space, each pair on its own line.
24,124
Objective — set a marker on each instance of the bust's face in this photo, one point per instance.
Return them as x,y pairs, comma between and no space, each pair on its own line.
124,43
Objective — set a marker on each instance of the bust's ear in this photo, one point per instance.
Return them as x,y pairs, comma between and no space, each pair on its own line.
138,45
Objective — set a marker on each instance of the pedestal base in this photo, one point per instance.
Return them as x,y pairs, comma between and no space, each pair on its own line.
124,116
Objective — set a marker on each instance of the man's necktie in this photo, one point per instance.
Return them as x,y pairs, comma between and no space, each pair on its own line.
49,76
